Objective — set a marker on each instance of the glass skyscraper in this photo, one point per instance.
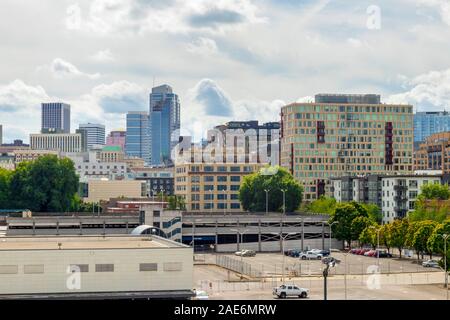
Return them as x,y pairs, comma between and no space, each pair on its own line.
55,118
137,140
164,124
95,134
428,123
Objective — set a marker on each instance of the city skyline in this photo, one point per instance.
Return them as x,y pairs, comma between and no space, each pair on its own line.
211,53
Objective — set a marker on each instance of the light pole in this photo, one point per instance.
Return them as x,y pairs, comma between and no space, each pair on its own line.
284,201
282,249
378,243
330,233
241,240
445,237
267,200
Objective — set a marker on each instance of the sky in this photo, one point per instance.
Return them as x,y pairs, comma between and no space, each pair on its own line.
226,59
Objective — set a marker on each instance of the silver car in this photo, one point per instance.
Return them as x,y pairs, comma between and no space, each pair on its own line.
430,264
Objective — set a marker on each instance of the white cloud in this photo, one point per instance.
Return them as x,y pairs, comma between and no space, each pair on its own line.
176,16
203,46
61,69
429,91
442,5
208,105
103,56
20,109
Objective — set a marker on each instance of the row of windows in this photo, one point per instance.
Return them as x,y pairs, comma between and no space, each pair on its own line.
105,267
208,206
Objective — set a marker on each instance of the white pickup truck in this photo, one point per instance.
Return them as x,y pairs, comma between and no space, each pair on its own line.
311,255
290,290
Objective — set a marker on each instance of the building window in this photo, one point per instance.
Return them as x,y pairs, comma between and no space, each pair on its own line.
208,168
9,269
222,196
235,169
208,187
148,267
79,268
235,206
235,178
221,187
173,266
222,179
33,268
108,267
208,178
234,187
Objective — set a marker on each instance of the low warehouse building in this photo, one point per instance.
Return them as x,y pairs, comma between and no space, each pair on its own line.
83,267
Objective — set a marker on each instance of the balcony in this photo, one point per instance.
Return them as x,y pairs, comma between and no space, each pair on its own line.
400,188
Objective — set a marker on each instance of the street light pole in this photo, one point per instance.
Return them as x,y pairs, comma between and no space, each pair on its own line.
378,244
445,237
330,233
267,200
284,201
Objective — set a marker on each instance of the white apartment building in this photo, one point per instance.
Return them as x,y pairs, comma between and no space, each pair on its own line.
399,194
88,166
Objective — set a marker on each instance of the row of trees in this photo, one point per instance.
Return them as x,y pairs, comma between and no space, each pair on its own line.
48,184
252,193
354,223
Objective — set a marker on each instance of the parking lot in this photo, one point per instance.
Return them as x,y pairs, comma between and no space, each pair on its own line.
271,264
222,284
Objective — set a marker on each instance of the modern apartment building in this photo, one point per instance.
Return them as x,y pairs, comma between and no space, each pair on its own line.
395,195
137,140
429,123
399,194
116,138
211,187
344,135
63,142
158,180
434,153
55,118
164,124
95,134
248,141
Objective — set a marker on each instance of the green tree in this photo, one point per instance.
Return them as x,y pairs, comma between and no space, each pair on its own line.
430,209
5,191
436,241
423,232
324,205
399,232
386,236
176,203
368,236
374,212
359,224
344,214
47,184
252,193
434,191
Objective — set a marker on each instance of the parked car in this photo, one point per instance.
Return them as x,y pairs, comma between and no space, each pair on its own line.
383,254
245,253
290,290
353,251
310,255
287,252
430,264
200,295
370,253
363,251
294,253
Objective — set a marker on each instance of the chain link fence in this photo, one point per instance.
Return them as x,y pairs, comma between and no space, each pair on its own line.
238,266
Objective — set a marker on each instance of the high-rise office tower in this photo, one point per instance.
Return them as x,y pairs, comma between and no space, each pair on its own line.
116,138
428,123
137,140
55,118
164,124
344,135
95,134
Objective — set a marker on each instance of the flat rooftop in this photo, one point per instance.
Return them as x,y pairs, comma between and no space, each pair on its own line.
86,242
